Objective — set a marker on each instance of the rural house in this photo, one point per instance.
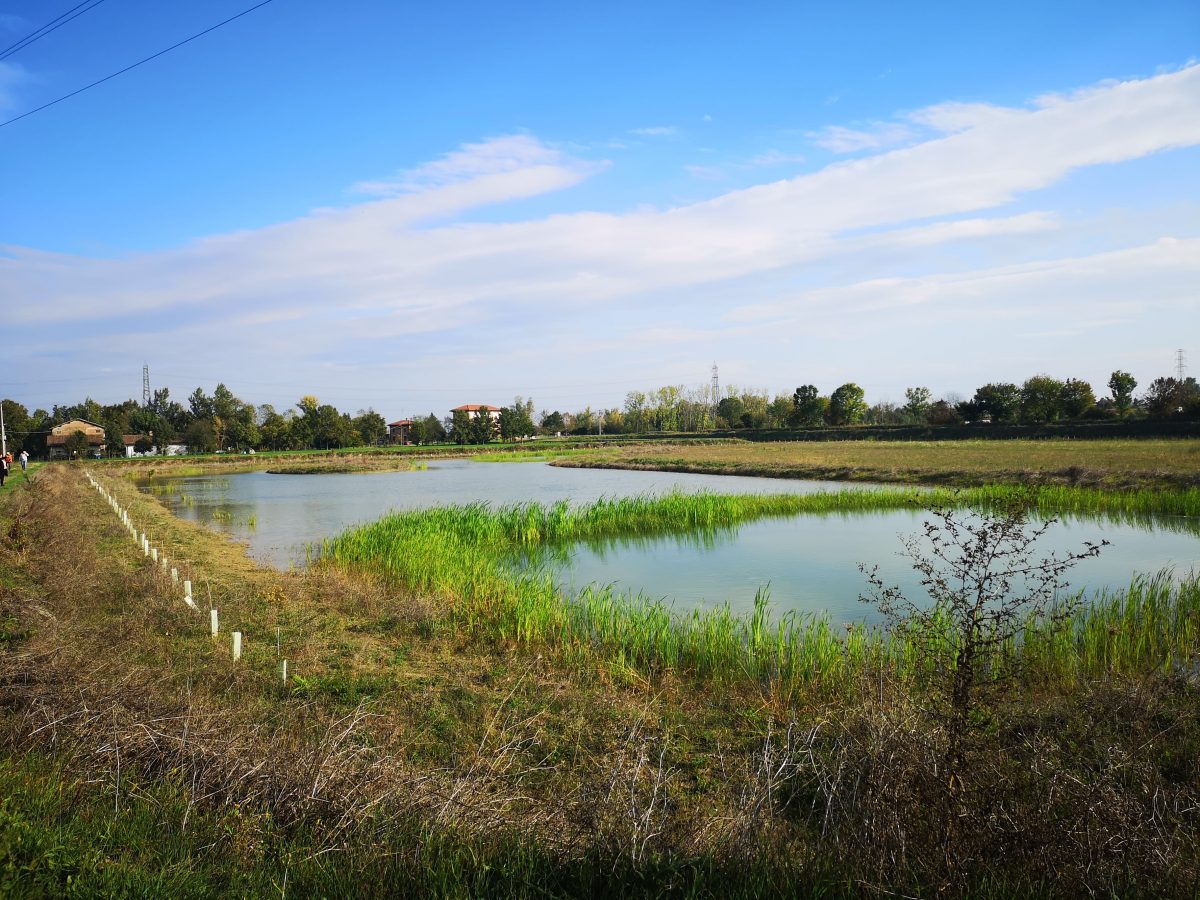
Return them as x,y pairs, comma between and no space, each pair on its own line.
400,432
478,409
56,442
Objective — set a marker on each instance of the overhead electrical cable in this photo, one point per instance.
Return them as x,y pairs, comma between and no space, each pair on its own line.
140,62
50,26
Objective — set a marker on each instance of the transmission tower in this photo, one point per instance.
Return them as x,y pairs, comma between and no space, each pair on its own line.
716,388
145,384
1180,364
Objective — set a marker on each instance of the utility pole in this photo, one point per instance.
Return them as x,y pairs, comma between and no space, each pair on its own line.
145,384
3,433
716,392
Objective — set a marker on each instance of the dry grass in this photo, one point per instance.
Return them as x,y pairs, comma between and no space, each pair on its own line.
1101,463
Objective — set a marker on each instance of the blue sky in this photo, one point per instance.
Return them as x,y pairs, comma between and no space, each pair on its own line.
410,207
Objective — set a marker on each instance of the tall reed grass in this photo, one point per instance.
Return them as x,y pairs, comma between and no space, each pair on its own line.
462,554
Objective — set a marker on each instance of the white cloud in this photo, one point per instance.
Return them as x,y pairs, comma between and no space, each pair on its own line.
363,280
496,156
776,158
838,139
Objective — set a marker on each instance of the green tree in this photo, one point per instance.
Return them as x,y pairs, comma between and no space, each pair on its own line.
274,429
779,412
917,403
76,445
553,423
1000,401
809,407
371,427
1041,399
201,404
482,428
846,405
941,412
114,439
516,420
1122,385
1168,398
435,431
636,419
200,437
584,423
729,413
1076,398
16,424
460,426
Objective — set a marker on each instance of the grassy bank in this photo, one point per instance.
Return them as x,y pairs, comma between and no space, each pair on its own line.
1104,464
416,753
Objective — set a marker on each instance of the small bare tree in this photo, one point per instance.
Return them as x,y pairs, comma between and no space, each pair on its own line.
987,586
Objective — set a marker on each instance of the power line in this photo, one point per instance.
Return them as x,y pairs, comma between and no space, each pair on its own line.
35,36
141,62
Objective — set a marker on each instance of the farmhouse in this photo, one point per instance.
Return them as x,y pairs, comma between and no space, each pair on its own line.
478,409
400,432
56,442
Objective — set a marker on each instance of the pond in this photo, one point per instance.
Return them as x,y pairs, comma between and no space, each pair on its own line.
810,563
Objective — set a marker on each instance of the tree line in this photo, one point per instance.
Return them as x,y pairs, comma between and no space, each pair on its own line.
222,421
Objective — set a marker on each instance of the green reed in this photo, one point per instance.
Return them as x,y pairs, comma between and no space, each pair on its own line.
463,555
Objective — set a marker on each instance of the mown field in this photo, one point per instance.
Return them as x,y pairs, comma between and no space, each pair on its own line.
447,730
1100,463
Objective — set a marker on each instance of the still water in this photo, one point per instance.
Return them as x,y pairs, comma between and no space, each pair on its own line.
810,563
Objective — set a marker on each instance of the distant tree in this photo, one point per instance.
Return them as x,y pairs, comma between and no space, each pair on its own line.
201,404
808,406
435,431
1076,398
779,412
614,421
636,418
1122,385
553,423
916,403
428,430
114,438
516,420
371,427
200,437
942,412
16,422
144,444
846,405
482,428
1001,402
1041,399
76,445
460,426
1168,398
275,430
584,421
885,413
729,413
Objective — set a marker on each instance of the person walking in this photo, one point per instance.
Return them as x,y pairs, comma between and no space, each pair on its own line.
3,468
24,460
